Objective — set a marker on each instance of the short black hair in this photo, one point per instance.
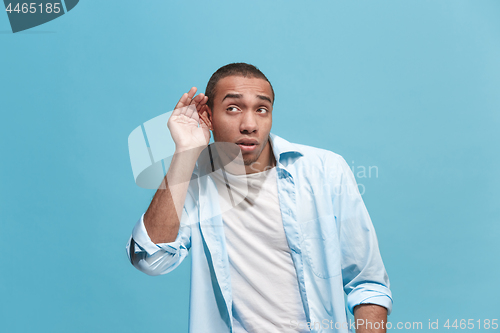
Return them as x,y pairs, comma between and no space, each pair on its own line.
234,69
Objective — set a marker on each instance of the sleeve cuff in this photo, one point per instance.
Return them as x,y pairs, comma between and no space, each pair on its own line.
141,238
370,293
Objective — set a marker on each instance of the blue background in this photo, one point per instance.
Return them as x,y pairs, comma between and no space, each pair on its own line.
411,87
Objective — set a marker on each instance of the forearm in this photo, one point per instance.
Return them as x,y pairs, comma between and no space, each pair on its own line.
162,218
370,318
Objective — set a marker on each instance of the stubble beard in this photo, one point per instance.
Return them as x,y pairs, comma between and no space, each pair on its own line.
250,160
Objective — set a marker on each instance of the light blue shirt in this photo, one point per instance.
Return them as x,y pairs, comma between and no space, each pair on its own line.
332,240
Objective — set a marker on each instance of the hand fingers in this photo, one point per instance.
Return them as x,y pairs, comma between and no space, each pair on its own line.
185,99
179,105
204,101
199,101
198,98
191,93
190,110
195,105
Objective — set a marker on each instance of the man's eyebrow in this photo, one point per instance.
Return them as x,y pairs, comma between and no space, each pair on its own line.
262,97
232,96
265,98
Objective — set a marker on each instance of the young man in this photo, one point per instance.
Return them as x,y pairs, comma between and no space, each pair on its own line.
295,237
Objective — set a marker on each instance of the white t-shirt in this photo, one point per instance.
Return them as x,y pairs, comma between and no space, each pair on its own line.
264,283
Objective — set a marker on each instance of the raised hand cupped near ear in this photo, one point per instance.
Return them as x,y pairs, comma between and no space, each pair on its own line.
188,129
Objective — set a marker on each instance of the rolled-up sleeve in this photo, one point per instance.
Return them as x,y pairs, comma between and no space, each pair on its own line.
370,293
364,276
162,258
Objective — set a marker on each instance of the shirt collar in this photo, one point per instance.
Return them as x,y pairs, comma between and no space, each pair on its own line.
283,149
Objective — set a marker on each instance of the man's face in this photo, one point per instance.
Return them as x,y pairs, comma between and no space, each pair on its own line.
242,114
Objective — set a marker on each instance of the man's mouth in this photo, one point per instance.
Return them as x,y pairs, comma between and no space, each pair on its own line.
247,145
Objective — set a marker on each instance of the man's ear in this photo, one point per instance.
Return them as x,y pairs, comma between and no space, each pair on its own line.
206,116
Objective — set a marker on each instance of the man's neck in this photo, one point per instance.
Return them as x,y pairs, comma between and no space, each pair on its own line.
260,166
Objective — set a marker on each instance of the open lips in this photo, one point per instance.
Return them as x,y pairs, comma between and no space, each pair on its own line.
247,145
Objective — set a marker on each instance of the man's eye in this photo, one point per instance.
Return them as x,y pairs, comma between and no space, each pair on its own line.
232,108
261,110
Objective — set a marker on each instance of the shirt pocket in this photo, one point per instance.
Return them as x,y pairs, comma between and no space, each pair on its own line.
320,246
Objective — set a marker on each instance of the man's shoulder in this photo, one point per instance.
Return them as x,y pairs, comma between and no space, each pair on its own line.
309,154
311,151
317,164
320,158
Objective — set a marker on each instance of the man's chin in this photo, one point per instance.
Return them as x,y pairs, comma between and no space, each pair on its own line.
251,158
248,162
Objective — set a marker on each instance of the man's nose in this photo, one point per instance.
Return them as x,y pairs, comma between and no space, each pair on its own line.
248,123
